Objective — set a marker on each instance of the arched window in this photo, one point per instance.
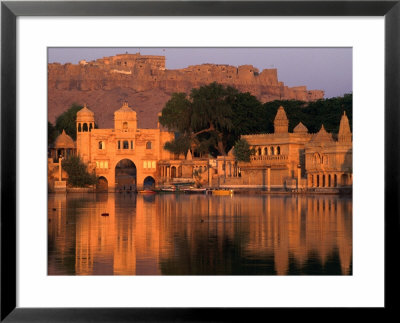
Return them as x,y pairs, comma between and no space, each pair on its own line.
259,151
272,151
79,127
125,125
278,150
90,127
148,145
125,144
85,127
266,151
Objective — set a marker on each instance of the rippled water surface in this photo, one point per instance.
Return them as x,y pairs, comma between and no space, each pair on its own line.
183,234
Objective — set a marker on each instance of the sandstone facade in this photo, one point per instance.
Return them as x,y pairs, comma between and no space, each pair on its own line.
282,160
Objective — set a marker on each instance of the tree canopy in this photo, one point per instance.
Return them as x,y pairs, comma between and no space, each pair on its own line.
78,174
67,121
242,151
52,133
209,120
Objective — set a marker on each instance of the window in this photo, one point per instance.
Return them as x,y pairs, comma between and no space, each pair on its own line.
102,145
79,127
90,127
278,150
125,125
153,164
119,144
131,144
272,151
145,164
85,127
148,145
125,144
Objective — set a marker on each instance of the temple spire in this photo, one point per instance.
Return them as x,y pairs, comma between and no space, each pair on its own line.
281,122
344,129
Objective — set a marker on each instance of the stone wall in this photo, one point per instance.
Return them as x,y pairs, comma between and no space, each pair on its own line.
143,73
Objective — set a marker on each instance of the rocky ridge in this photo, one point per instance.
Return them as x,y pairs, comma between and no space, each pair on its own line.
147,85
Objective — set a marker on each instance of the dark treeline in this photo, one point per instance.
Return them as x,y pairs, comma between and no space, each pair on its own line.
312,114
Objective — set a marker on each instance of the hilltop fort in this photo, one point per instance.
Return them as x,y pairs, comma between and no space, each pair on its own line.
144,81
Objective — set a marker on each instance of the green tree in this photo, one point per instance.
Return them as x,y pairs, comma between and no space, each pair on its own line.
210,120
242,151
78,174
67,121
51,133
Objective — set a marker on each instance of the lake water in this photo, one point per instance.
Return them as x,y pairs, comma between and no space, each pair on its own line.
184,234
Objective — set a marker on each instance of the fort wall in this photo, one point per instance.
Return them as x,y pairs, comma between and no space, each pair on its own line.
143,73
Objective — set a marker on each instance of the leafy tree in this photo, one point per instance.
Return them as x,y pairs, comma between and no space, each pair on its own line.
78,174
242,151
67,121
51,133
209,120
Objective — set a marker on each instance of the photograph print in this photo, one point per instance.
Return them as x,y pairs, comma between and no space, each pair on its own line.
200,161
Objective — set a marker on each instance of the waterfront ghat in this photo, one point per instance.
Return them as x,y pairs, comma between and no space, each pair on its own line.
199,234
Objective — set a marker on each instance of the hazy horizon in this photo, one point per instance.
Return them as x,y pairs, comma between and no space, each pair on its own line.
328,68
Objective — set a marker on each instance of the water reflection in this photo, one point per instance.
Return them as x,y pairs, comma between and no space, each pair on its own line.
199,235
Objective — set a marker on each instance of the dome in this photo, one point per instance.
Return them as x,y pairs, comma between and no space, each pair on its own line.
322,136
300,128
125,111
64,141
85,112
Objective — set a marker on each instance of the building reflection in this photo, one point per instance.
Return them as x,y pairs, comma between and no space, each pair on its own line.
182,234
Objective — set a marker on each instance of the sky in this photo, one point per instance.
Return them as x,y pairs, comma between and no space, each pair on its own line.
328,68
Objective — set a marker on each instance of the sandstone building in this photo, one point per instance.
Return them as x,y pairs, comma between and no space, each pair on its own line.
127,157
300,160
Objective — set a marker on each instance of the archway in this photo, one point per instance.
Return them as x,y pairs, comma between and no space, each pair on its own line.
344,180
149,183
102,184
125,175
173,172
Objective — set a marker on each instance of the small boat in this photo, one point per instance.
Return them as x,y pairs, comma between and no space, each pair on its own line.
169,189
222,192
194,190
104,214
147,192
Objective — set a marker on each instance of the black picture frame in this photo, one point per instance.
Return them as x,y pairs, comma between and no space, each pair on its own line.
10,10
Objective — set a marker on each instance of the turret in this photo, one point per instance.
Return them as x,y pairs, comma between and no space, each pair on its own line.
125,119
281,122
84,126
